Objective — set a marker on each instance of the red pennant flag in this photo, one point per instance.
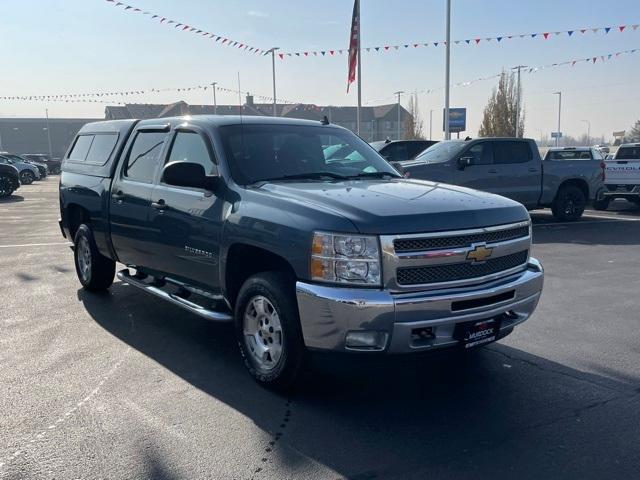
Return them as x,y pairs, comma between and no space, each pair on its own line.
573,63
354,43
594,59
306,54
545,35
582,30
386,47
331,52
477,41
621,28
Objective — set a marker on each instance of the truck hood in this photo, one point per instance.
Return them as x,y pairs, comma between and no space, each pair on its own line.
403,205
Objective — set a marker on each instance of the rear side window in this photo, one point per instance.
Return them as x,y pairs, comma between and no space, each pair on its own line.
511,152
101,148
569,155
144,156
628,153
190,147
80,149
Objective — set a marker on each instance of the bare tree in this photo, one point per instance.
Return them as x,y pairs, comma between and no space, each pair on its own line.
414,125
634,133
499,118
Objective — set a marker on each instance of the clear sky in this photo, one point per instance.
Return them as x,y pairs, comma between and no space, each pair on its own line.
73,46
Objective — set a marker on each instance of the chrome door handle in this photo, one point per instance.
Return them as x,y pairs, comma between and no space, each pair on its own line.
159,205
118,196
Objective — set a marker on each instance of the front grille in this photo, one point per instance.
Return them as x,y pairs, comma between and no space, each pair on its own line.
459,271
620,188
421,244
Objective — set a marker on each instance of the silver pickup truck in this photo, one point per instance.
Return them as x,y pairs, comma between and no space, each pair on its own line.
512,167
622,176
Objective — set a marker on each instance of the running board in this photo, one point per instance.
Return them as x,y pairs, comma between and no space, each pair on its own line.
199,310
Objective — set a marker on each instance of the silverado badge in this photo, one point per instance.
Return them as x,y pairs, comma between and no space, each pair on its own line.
479,253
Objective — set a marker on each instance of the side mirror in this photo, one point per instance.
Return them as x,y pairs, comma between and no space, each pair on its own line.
464,162
187,174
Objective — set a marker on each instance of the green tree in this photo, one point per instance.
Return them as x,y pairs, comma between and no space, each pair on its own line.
499,119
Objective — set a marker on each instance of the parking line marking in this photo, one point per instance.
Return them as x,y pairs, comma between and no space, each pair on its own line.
34,245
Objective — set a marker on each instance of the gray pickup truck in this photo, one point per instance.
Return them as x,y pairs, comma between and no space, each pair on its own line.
251,221
513,168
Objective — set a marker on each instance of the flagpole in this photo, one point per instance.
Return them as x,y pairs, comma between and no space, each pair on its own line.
359,70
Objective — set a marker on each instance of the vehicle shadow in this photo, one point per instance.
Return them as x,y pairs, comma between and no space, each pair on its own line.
498,412
12,199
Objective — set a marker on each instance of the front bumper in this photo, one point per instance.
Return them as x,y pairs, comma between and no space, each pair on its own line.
328,313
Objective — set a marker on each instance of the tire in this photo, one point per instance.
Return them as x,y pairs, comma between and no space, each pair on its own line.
7,186
27,177
266,307
634,200
602,204
569,204
94,270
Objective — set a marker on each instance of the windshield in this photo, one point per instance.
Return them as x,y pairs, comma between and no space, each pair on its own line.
280,152
441,152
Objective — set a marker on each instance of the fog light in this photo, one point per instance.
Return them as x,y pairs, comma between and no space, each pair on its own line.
366,340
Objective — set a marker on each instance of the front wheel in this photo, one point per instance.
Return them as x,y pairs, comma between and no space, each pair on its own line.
7,186
569,204
268,330
94,270
27,177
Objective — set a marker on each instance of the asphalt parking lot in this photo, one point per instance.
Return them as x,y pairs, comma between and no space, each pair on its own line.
125,386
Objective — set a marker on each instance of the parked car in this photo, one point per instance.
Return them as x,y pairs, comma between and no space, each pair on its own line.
512,167
622,176
28,173
52,163
244,220
603,148
9,179
401,150
42,167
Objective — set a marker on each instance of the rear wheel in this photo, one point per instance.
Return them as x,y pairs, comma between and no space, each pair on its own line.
268,330
27,177
7,186
569,204
94,270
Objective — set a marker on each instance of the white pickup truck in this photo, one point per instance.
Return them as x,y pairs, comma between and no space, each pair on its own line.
622,176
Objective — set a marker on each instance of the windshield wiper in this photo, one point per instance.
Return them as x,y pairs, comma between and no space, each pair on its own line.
309,176
374,175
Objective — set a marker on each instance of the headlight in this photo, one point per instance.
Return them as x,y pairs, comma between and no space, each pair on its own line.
345,259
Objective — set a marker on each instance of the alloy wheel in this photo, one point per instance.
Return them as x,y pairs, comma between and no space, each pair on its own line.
263,335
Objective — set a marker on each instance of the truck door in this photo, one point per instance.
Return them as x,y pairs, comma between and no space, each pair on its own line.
187,222
518,172
131,196
481,174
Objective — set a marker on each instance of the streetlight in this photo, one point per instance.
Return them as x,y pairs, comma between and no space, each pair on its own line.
272,51
588,131
400,92
447,134
215,103
559,112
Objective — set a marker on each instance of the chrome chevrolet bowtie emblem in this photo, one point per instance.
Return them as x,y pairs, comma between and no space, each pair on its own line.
479,253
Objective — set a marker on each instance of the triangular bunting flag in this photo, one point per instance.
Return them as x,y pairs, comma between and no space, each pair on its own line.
477,41
570,32
607,29
468,41
621,28
498,38
545,35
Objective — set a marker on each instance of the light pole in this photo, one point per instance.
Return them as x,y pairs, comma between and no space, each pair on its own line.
588,131
447,134
215,103
49,134
430,124
272,51
400,92
518,99
559,112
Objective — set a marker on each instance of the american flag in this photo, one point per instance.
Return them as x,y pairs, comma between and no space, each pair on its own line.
354,41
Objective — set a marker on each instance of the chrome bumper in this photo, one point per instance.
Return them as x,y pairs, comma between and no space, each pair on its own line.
328,313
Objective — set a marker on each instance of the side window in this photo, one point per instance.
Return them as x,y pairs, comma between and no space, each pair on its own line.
414,148
396,152
482,153
597,154
80,149
101,148
190,147
144,156
511,152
